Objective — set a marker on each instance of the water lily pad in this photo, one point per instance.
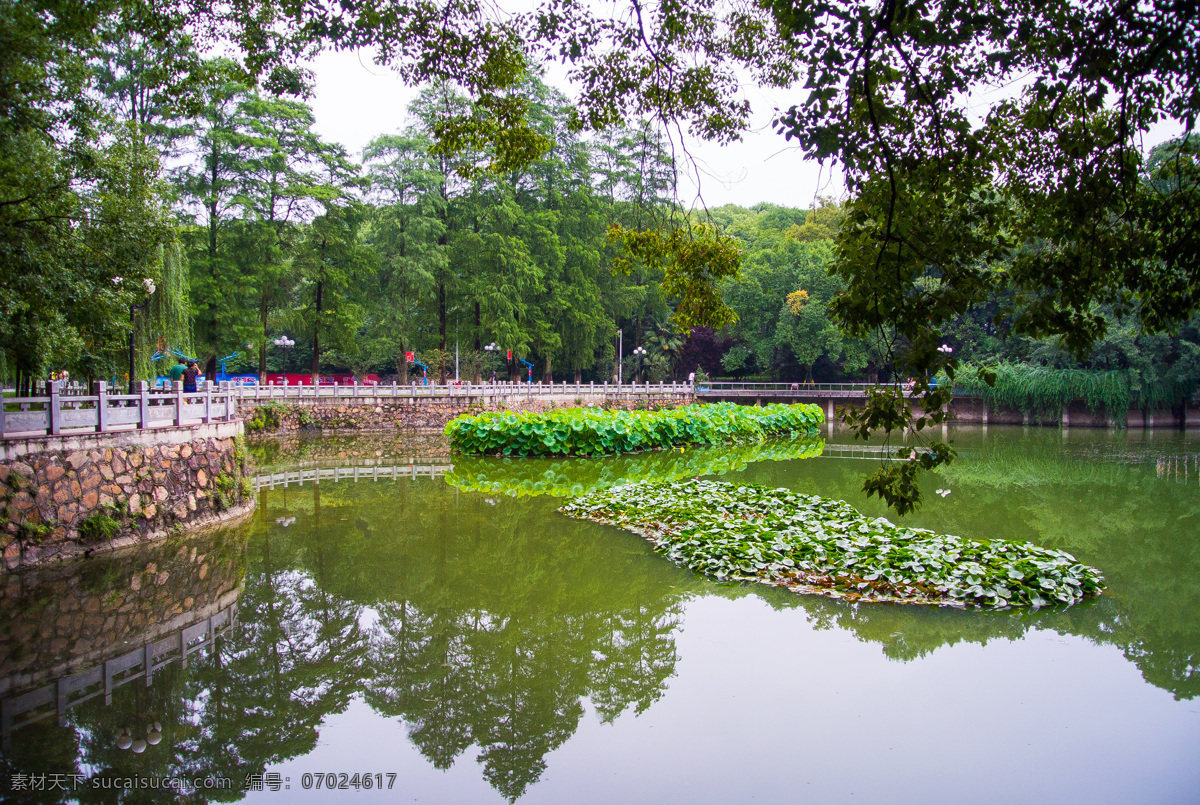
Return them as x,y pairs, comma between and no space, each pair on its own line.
811,544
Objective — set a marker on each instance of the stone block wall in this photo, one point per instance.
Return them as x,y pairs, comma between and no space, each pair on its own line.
416,415
71,495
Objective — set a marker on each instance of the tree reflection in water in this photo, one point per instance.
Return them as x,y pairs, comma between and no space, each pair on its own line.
487,621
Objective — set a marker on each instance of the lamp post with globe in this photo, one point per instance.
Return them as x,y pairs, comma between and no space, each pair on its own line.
639,358
491,347
283,342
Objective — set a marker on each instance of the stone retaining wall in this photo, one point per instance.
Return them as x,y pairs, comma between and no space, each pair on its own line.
415,415
68,495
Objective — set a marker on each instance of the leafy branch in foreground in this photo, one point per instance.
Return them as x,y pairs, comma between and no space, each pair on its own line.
887,409
694,260
811,544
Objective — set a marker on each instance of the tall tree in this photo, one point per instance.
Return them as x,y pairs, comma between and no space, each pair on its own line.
408,233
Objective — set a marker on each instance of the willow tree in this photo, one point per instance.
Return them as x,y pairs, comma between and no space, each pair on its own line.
164,325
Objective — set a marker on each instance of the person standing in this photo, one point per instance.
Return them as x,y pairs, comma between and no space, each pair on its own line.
189,377
177,372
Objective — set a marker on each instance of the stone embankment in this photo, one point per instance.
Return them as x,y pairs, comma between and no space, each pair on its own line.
63,496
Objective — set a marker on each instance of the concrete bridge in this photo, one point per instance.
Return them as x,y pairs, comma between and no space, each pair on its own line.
964,408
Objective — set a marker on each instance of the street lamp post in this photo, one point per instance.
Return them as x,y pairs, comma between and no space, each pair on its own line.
283,342
491,347
148,284
639,354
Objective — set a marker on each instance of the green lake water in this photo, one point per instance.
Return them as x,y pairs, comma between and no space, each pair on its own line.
449,627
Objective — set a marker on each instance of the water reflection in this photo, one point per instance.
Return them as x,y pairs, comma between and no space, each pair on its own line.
489,624
476,626
95,653
1096,494
571,477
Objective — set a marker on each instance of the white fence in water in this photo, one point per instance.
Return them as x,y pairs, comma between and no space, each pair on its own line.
140,664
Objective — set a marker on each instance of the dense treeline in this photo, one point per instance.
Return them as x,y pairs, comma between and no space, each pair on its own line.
265,230
251,227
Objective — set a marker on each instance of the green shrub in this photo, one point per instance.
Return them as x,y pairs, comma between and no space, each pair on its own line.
32,533
267,417
583,431
223,493
98,527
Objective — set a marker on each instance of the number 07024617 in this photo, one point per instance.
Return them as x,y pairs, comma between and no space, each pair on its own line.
343,780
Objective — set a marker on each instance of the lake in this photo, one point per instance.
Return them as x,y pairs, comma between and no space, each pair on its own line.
433,623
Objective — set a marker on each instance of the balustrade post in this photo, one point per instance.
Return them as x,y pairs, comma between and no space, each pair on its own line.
100,389
208,388
143,391
177,389
54,410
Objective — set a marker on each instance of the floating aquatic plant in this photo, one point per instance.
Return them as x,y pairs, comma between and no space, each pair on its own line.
812,544
592,432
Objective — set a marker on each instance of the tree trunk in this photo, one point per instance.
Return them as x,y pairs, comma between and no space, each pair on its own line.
548,373
212,200
262,350
316,357
442,315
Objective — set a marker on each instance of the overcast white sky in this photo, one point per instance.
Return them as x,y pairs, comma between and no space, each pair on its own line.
356,100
